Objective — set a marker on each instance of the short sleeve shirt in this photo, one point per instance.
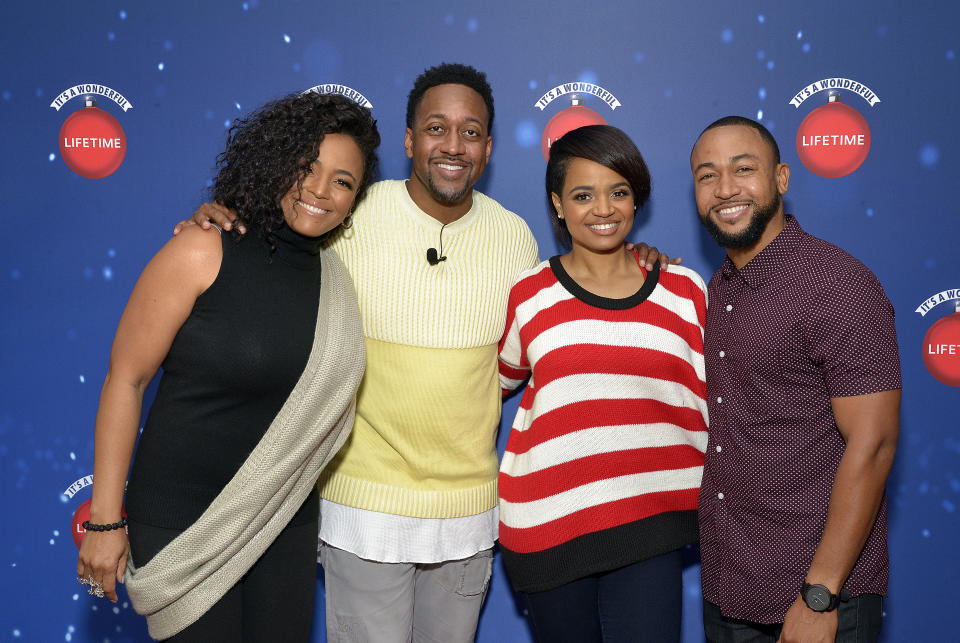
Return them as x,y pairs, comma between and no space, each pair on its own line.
799,324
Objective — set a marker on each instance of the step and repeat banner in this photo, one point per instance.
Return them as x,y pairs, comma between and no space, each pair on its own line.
113,115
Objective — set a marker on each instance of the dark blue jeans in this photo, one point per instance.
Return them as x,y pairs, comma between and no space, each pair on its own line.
859,621
639,602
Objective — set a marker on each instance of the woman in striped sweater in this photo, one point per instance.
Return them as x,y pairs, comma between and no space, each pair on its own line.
599,482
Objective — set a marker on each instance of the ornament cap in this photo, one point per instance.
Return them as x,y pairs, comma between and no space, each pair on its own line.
956,305
834,98
89,101
575,100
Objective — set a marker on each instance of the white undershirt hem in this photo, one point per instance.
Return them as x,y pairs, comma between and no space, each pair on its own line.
389,538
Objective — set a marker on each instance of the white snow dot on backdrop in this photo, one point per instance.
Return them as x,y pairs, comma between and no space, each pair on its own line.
929,155
526,134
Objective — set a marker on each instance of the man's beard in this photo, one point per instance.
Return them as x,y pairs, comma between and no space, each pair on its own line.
451,195
751,234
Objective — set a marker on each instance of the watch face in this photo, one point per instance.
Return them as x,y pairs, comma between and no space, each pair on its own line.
817,598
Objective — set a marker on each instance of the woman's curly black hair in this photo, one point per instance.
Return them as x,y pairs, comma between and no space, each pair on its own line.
273,149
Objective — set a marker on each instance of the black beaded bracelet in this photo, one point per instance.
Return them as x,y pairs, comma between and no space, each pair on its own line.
89,526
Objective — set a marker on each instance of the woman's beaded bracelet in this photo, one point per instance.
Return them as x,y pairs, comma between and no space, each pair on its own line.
89,526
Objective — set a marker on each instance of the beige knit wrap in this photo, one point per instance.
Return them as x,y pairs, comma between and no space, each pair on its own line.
196,569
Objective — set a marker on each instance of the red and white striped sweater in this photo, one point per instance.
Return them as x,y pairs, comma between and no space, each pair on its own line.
603,464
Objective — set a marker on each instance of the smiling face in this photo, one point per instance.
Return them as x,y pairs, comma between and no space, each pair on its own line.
597,205
738,187
326,196
450,146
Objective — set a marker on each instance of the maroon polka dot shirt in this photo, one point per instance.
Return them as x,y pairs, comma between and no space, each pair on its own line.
802,322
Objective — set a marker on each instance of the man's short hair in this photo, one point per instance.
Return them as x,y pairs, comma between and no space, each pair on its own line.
742,120
450,74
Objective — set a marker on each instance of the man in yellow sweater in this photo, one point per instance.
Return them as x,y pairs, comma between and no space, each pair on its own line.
409,508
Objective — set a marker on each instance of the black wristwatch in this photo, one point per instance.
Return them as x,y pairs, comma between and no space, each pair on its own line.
819,599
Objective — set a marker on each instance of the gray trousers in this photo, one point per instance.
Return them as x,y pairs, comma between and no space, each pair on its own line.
371,602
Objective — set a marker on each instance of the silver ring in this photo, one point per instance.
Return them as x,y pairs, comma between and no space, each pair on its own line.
96,587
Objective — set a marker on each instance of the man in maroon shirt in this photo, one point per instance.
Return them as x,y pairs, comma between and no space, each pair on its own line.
803,388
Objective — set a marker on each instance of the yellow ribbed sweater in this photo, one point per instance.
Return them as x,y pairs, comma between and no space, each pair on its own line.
424,442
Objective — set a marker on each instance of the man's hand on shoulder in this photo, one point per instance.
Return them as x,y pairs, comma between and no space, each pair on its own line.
647,255
196,252
212,213
803,625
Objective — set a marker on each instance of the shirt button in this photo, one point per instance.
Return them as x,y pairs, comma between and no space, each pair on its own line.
719,400
719,448
720,495
722,354
729,307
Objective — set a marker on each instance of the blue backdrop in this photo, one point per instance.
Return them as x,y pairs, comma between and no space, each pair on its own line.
74,246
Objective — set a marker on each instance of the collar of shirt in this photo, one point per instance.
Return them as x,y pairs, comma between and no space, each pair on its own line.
769,260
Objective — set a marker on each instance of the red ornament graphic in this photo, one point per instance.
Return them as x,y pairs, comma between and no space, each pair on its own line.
81,515
941,349
833,140
568,119
92,142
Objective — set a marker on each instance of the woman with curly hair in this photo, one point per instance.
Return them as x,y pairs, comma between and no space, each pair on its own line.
261,344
